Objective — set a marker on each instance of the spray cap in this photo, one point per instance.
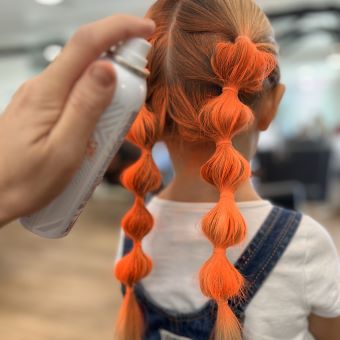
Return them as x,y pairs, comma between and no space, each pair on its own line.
134,52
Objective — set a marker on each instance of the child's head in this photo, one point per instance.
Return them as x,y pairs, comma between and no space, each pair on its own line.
184,74
214,79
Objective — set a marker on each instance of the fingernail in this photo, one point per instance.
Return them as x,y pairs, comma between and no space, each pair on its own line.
102,76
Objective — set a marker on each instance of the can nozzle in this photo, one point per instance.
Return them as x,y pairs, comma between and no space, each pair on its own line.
134,52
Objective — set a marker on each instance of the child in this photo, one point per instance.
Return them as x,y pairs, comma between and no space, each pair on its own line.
214,86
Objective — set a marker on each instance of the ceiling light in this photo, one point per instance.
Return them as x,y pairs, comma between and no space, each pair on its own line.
333,60
49,2
51,52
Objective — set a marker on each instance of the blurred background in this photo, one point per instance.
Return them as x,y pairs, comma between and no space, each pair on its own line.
64,289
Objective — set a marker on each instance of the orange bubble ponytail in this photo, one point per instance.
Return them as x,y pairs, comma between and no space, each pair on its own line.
141,178
238,66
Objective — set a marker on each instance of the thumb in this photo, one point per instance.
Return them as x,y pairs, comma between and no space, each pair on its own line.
88,100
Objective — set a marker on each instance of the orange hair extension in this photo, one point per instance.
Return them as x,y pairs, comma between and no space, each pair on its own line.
238,66
140,178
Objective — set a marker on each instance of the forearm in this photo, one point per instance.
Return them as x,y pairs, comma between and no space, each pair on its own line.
3,220
5,215
5,194
324,329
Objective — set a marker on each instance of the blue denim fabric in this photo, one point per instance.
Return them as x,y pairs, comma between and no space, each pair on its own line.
255,264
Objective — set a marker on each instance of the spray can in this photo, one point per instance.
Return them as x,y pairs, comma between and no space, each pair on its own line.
129,61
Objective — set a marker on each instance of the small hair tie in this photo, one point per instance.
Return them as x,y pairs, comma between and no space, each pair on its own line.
227,194
146,152
219,251
224,142
137,244
230,88
244,37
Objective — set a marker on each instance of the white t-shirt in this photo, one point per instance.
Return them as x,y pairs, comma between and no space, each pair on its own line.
306,279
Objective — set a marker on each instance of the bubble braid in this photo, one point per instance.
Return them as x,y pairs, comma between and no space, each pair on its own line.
238,66
141,178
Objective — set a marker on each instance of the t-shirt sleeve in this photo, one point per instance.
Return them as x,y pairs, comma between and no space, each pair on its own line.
322,271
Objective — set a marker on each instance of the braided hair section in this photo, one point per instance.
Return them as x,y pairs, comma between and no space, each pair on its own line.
239,66
141,178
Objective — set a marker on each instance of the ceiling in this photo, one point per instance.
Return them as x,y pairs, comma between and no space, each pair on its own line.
25,24
308,41
279,5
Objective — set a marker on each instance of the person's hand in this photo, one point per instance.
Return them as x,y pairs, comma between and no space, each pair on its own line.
45,130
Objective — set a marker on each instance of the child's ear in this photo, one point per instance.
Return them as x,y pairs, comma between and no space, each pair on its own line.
269,106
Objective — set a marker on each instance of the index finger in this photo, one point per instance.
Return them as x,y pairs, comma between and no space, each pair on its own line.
87,44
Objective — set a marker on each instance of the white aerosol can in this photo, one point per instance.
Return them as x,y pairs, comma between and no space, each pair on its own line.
129,62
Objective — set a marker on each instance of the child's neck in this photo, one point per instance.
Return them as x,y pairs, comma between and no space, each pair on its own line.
188,185
195,189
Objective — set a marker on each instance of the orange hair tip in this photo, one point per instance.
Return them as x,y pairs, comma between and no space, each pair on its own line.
129,324
227,326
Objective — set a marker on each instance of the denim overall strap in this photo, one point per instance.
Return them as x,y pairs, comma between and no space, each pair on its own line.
264,252
128,245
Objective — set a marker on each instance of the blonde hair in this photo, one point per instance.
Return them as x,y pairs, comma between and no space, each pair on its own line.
209,62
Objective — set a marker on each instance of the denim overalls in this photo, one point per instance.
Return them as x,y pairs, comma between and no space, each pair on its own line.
256,263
